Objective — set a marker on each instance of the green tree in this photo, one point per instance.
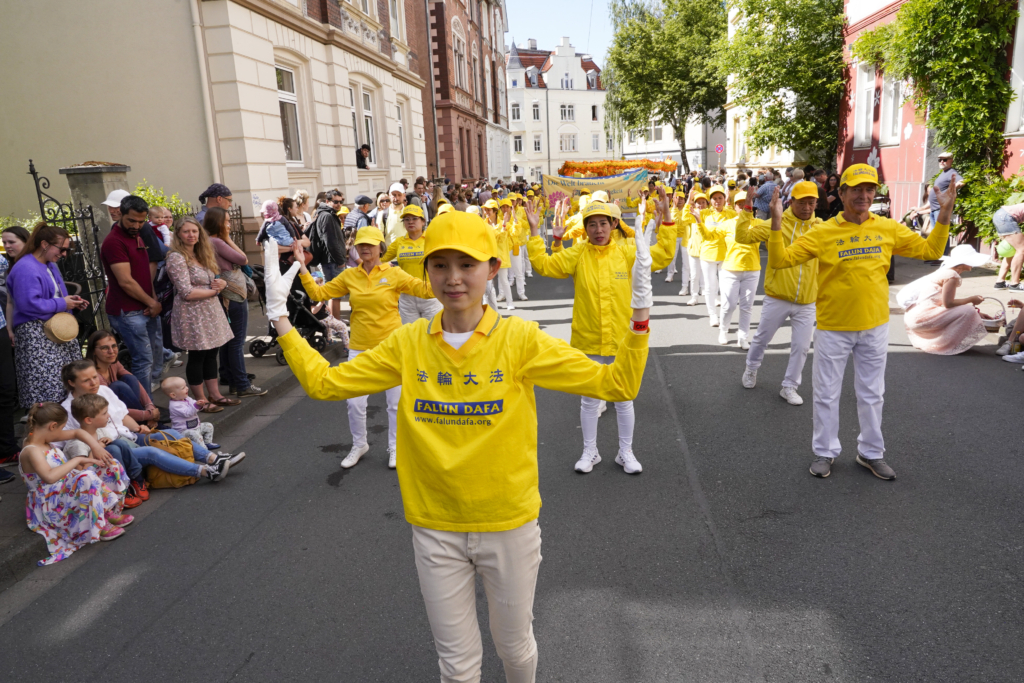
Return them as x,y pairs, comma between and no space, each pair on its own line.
156,197
661,66
786,60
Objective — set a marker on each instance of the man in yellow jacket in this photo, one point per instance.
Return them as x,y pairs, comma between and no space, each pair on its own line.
467,438
407,250
789,292
853,251
600,269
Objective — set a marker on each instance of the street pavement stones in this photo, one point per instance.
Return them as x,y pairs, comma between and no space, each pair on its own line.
724,561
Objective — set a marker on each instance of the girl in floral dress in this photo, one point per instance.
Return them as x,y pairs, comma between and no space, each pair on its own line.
70,503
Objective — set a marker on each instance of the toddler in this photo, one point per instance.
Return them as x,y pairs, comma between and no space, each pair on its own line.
71,502
335,328
185,413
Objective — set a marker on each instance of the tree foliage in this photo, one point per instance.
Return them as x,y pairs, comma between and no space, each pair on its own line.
156,197
661,65
786,63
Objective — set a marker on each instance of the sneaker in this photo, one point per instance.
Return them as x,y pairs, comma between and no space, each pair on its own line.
529,275
714,321
523,297
718,301
252,390
178,363
218,458
218,471
1019,287
6,477
392,457
877,467
628,461
999,285
670,278
684,291
749,379
821,467
131,498
500,298
792,398
1014,358
121,520
12,459
1001,351
587,461
236,459
723,336
153,388
353,456
169,363
109,533
692,301
604,407
743,343
510,307
212,446
141,489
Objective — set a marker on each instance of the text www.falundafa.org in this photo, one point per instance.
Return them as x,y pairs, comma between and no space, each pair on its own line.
457,414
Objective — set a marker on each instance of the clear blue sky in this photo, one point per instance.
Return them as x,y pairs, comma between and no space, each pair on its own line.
549,20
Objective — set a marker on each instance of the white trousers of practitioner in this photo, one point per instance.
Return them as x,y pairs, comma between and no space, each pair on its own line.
412,308
527,266
738,289
357,412
518,272
590,410
831,351
502,279
695,273
684,261
773,313
448,563
710,271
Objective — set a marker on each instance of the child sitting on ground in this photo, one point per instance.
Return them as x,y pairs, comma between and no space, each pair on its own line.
335,328
185,413
71,502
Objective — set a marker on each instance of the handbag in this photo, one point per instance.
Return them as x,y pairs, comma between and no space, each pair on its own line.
61,328
182,448
236,289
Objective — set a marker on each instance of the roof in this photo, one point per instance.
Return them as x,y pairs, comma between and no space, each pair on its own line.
524,58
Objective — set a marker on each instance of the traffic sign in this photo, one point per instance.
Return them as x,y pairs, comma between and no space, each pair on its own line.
719,148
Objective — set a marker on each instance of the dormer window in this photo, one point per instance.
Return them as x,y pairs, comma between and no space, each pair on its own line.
592,79
566,82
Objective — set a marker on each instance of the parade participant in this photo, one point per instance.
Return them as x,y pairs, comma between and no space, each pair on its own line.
519,234
407,250
469,473
853,251
712,251
789,292
501,228
373,288
682,221
599,268
524,230
693,246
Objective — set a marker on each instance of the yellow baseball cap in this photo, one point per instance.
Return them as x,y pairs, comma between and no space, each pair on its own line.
806,188
616,211
717,188
740,196
668,190
369,235
699,195
491,204
584,191
600,196
535,186
412,210
504,202
596,208
443,208
513,195
732,183
465,232
442,200
529,193
342,211
858,174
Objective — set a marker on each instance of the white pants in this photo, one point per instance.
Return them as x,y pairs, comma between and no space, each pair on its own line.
357,412
773,313
684,261
710,272
590,410
738,289
505,285
518,272
527,266
448,563
490,297
412,308
695,273
202,434
831,351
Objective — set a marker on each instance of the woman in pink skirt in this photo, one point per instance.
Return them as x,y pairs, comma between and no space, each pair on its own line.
937,322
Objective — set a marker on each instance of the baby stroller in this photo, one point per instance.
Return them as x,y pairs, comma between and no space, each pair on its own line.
300,316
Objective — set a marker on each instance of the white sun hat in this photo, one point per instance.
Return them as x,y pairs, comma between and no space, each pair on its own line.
115,197
965,255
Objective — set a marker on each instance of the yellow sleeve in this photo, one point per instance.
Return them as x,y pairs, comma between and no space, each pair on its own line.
749,231
574,233
371,372
664,251
557,366
560,264
706,233
801,251
556,246
391,253
912,245
408,284
334,289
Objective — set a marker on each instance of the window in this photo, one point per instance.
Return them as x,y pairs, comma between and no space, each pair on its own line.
611,144
401,132
355,120
514,83
476,80
632,136
517,144
396,20
592,80
568,112
567,142
289,115
593,112
514,108
480,153
657,133
566,82
892,110
536,143
369,137
864,111
536,112
538,173
459,53
365,6
595,142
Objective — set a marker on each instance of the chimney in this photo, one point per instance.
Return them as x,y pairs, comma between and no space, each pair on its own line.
532,42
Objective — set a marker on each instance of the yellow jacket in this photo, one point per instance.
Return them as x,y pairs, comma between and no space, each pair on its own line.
714,249
503,237
853,293
602,277
374,299
522,230
739,256
694,244
684,223
467,419
798,284
409,255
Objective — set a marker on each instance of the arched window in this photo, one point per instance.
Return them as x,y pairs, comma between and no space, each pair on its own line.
459,53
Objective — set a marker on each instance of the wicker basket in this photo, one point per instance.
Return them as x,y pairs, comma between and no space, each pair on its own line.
995,324
61,328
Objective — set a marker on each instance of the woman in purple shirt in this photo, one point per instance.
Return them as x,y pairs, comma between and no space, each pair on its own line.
37,291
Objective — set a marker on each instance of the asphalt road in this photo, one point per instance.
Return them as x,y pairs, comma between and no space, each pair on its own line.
724,561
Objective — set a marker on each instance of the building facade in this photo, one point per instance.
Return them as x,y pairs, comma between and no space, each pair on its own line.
658,141
463,74
265,96
556,110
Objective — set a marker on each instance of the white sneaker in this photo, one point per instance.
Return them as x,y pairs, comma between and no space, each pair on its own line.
353,456
792,398
604,407
522,297
670,278
743,343
1014,358
500,297
392,457
629,462
692,301
684,291
510,307
723,337
714,321
749,379
587,461
1004,349
718,301
529,275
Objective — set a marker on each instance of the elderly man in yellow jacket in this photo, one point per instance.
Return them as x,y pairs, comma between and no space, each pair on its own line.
600,268
853,250
467,437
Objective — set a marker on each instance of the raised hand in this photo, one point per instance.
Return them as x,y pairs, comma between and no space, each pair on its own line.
278,285
775,207
533,218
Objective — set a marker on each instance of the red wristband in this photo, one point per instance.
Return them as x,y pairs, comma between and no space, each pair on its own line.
668,222
640,326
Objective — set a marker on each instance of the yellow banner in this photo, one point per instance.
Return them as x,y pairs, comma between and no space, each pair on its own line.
557,187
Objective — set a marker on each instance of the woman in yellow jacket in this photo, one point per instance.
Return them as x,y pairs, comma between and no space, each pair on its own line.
693,246
600,269
712,251
408,251
512,214
502,236
373,289
468,475
683,220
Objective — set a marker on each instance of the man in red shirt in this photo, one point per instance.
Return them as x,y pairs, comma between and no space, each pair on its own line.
133,311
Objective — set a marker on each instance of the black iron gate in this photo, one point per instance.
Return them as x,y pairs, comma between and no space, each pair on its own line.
81,267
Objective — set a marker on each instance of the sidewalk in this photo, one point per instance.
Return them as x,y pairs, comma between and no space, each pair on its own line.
20,549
